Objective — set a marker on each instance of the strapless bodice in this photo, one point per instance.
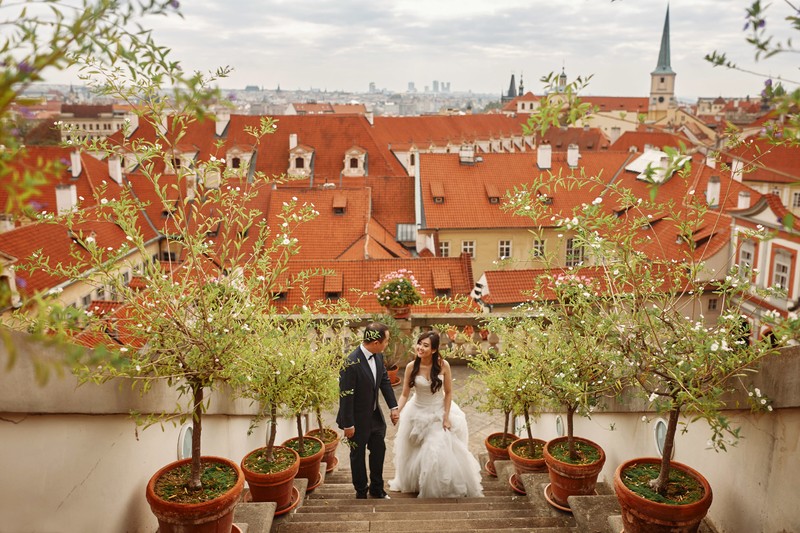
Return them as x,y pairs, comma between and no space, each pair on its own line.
422,391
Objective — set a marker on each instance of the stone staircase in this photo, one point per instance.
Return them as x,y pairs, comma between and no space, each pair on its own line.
332,507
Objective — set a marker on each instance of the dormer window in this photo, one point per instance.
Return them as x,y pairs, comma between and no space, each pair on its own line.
437,192
236,162
355,162
333,286
176,163
492,193
301,161
339,203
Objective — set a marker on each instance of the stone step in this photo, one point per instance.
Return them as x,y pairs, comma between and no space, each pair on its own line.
321,500
521,524
515,505
338,515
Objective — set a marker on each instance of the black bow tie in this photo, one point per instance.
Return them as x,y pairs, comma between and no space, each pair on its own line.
370,357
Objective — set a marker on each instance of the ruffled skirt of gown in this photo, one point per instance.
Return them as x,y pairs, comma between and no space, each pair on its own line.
429,460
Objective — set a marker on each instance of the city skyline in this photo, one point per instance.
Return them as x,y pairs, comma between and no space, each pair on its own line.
473,45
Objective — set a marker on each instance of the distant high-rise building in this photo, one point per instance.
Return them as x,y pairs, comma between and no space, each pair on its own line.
372,89
436,86
411,87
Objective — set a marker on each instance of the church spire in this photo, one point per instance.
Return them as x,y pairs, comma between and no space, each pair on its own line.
663,66
512,88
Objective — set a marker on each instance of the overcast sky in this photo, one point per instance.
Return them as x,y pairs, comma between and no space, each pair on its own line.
473,44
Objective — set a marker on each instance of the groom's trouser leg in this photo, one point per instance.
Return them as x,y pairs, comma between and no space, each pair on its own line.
377,453
358,467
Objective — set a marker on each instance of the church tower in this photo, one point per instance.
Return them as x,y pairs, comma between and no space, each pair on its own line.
662,81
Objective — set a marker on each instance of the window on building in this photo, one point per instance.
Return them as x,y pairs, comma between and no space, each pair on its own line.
353,162
575,253
776,191
333,296
746,254
504,249
126,278
86,300
796,200
176,163
444,249
412,159
538,248
783,265
299,163
236,162
468,247
713,303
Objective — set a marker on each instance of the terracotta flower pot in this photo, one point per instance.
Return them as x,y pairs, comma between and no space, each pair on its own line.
393,377
329,457
309,465
640,515
496,453
213,516
399,311
567,479
274,487
523,464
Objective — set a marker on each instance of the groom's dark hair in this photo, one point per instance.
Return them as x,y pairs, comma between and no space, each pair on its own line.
375,331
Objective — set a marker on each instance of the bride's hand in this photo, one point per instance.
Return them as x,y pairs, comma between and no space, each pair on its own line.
446,424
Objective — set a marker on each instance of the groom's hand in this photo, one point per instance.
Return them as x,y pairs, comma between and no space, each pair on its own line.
395,416
349,432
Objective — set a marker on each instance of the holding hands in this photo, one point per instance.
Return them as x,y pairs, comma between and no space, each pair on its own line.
395,416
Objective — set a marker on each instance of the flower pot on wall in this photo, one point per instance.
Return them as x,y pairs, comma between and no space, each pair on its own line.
497,449
518,452
331,444
212,516
275,486
399,311
640,515
393,377
568,479
310,463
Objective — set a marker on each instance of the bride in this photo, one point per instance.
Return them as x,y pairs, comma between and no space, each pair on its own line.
431,456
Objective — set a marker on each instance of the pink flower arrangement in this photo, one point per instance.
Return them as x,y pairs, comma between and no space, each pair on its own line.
398,288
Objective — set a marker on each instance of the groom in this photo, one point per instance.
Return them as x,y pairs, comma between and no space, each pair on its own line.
359,414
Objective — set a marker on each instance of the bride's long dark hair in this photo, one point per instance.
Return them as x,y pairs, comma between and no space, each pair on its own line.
436,361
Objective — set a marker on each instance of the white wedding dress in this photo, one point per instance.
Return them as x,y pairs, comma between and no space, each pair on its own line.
429,460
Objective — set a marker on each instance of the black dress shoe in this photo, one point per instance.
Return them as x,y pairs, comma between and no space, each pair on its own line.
361,495
380,495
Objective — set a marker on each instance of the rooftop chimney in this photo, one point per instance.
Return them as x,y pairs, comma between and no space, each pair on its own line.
292,141
744,200
115,168
222,118
75,162
66,198
370,117
713,191
544,156
466,154
711,160
736,169
573,154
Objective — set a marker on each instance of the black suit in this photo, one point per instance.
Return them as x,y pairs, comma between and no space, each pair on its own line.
359,409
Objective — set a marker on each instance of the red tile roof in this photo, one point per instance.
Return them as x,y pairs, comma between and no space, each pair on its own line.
358,279
466,204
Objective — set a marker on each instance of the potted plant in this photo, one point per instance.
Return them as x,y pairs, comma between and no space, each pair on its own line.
195,313
399,346
651,305
397,291
574,364
315,371
522,393
494,375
